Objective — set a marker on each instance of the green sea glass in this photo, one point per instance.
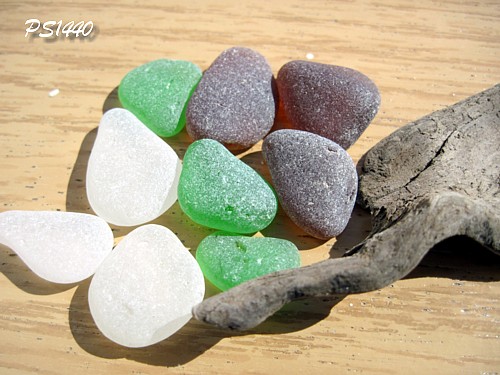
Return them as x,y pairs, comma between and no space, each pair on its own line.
219,191
157,94
228,259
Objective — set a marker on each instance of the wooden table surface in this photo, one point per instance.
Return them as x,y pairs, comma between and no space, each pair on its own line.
423,55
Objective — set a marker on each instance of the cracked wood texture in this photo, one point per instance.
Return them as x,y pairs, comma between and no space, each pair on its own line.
454,149
443,318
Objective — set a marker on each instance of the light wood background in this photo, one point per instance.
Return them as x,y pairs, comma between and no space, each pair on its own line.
423,55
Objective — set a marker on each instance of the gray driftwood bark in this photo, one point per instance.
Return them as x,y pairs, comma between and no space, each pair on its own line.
433,179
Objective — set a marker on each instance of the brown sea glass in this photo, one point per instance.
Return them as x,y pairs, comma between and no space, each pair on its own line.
332,101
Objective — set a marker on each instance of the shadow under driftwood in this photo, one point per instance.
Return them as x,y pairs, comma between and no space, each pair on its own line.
459,258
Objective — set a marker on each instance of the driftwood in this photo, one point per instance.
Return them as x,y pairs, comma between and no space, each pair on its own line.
431,180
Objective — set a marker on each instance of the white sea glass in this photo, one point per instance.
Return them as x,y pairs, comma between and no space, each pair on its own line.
132,174
62,247
145,289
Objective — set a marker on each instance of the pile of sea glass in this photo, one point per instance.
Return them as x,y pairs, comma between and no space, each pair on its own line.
144,290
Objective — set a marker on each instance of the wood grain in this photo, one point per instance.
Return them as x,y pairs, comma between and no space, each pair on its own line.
443,318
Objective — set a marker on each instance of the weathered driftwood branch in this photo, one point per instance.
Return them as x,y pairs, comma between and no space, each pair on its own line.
432,179
454,149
